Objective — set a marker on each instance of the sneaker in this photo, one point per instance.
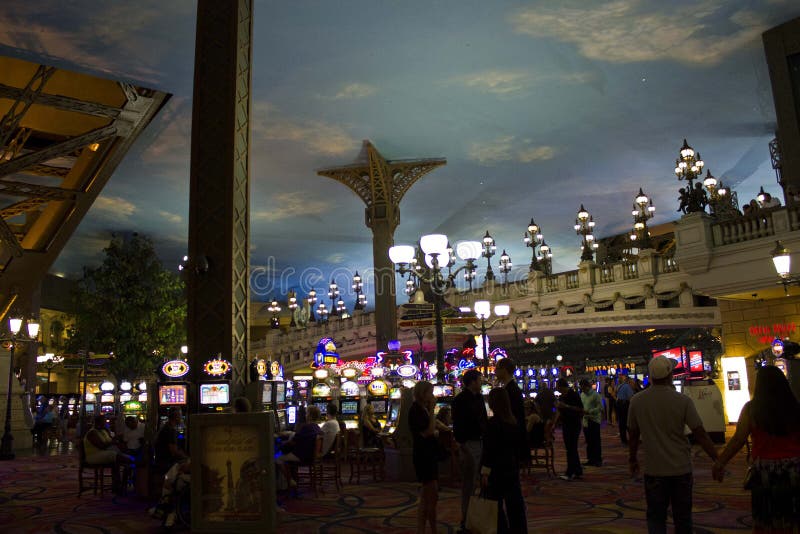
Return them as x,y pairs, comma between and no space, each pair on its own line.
566,477
170,520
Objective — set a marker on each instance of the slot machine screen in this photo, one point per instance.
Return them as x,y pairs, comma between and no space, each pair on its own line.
379,406
291,415
90,409
695,361
106,409
214,393
349,407
266,393
281,420
323,407
677,354
172,394
280,392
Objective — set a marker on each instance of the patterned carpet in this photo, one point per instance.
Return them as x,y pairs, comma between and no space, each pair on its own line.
38,494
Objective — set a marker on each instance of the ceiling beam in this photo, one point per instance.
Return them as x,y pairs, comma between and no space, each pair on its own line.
8,238
22,207
65,103
46,170
22,189
26,97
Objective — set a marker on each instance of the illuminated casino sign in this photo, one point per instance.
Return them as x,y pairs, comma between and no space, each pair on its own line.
107,397
378,388
217,367
276,369
407,371
326,353
261,368
777,348
321,390
175,368
132,406
125,397
349,389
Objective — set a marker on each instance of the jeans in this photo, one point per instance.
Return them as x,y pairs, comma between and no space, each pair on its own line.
622,420
594,451
469,460
571,435
660,492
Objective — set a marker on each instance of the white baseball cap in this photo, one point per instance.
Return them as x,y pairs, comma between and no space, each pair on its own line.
660,367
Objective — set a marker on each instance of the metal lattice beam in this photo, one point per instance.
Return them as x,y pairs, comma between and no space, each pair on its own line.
24,98
58,149
10,240
65,103
22,189
46,170
22,207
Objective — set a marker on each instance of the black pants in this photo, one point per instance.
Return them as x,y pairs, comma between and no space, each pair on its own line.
622,420
571,435
594,451
660,492
610,409
512,520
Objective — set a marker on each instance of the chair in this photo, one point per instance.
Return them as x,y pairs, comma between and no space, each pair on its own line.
332,462
310,473
100,474
447,443
543,456
364,459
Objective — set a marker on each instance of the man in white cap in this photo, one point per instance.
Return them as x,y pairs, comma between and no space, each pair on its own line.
659,415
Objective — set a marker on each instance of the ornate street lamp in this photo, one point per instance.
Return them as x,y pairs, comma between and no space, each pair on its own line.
469,251
483,310
688,168
341,309
50,361
322,310
361,300
434,247
724,203
533,238
783,266
274,308
292,307
15,325
311,299
584,225
643,210
546,258
333,294
489,250
505,266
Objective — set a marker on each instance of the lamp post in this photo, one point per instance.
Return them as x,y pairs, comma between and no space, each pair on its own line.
292,307
322,310
643,210
434,247
50,361
311,299
333,294
274,308
546,258
688,168
584,224
7,443
783,266
489,249
505,266
533,238
483,310
361,300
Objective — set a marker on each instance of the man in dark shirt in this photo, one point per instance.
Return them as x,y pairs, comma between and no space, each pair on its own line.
570,414
504,371
167,452
469,426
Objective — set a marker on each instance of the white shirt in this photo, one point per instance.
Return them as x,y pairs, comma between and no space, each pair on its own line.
330,429
132,436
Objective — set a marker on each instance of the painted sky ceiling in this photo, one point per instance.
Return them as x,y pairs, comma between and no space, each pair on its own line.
537,106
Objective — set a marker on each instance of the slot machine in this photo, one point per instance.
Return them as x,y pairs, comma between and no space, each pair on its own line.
378,398
173,391
444,394
90,404
214,392
107,400
141,396
321,395
349,404
395,395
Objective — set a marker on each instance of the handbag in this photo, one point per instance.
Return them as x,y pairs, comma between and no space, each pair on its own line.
749,478
482,515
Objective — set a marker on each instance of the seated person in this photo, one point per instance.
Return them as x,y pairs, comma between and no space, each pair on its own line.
99,448
166,450
370,428
44,421
534,425
177,478
301,448
132,437
445,417
330,428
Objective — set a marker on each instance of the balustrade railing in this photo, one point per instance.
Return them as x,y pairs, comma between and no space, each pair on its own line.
551,284
630,271
572,279
606,274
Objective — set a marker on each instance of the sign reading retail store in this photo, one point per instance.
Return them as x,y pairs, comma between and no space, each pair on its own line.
175,368
217,367
766,333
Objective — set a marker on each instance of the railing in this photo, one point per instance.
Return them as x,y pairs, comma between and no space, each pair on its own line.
572,279
740,229
669,265
551,284
629,271
606,274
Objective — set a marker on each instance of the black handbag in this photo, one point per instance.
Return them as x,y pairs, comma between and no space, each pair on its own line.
749,478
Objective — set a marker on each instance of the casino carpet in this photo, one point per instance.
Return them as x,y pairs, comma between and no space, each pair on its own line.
38,494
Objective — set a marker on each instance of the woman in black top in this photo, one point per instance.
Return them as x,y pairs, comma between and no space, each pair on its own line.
423,430
500,464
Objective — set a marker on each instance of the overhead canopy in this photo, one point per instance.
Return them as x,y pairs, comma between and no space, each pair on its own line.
62,135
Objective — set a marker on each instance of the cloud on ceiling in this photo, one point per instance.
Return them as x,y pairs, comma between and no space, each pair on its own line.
173,218
353,91
508,148
113,208
625,31
513,82
287,205
314,135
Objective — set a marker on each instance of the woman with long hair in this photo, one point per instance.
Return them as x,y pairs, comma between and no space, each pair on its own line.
422,424
370,428
772,418
500,464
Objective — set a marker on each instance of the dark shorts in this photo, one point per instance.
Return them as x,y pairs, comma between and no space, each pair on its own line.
426,466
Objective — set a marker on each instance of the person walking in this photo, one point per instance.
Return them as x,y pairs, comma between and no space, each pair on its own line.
609,395
469,427
592,414
624,395
772,419
657,418
570,413
504,371
500,464
424,453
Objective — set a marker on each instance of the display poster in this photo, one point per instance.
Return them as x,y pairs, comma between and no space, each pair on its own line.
708,402
232,462
737,391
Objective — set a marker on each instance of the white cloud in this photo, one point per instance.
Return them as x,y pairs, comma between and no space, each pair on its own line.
355,90
336,257
507,148
174,218
624,31
316,136
115,208
498,82
286,205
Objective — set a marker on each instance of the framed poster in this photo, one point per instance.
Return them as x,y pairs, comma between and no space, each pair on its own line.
233,472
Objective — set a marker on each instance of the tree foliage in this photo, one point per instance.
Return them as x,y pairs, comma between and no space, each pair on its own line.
130,307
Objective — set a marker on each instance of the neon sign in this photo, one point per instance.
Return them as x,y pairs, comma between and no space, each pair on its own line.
407,371
217,367
765,333
175,368
326,353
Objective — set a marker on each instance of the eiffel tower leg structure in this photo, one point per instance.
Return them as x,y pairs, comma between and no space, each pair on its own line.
381,184
219,202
